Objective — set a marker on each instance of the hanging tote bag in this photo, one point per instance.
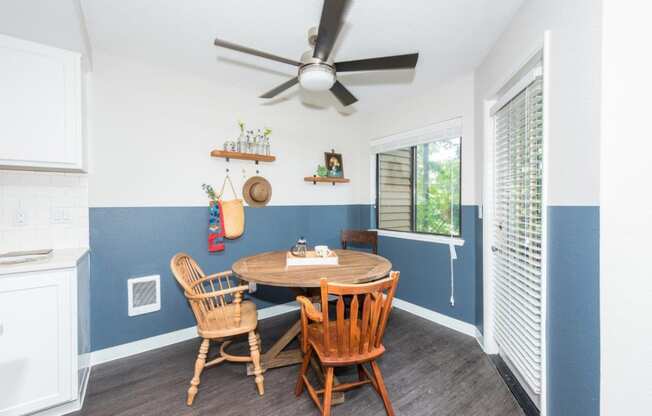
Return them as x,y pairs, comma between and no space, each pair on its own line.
233,212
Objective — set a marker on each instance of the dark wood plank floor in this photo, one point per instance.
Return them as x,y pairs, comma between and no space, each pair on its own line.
428,369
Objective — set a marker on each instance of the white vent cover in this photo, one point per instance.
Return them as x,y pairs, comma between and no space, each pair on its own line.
144,294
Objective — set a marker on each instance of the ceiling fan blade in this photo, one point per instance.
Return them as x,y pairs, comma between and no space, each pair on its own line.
284,86
244,49
342,94
332,15
374,64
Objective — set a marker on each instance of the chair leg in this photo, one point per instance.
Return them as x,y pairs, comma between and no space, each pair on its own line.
255,357
328,391
199,367
260,342
304,368
382,390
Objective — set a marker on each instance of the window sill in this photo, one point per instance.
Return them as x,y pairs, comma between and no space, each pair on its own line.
429,238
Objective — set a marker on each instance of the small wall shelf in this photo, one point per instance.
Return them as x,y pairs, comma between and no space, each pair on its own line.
242,156
325,179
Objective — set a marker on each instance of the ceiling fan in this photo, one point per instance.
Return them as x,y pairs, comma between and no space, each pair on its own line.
316,69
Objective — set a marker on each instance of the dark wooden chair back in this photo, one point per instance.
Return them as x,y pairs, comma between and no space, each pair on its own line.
361,237
361,333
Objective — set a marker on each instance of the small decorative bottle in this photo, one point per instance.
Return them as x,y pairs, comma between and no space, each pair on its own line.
250,134
260,143
240,143
267,146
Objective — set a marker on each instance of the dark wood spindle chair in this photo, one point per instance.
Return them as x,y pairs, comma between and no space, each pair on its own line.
360,237
216,301
345,342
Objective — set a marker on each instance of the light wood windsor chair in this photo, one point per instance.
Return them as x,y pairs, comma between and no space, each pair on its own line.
220,313
345,342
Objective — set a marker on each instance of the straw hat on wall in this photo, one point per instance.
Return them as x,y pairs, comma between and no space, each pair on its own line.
257,191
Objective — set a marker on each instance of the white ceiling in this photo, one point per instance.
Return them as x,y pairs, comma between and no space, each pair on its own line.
54,23
452,37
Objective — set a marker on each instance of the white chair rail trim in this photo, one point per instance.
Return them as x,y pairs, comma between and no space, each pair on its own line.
429,238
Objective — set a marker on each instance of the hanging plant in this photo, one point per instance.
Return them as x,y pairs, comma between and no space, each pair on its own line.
210,192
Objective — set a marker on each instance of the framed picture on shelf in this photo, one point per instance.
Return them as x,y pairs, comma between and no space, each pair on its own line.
334,164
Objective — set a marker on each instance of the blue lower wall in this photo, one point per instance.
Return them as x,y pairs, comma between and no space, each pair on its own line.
573,333
425,270
132,242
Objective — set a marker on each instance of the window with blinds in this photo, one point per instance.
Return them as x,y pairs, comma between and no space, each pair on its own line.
517,250
419,189
395,196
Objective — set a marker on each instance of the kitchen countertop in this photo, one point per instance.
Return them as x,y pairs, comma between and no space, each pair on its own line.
60,259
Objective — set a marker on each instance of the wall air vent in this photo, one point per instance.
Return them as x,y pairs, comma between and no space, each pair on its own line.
144,294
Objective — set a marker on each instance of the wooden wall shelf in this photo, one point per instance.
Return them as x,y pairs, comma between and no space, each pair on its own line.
325,179
242,156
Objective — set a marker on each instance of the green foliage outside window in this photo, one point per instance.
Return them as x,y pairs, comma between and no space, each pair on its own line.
437,187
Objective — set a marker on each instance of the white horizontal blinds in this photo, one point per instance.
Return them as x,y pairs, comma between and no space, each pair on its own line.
395,190
517,248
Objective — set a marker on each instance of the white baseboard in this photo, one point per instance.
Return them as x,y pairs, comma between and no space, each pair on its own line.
163,340
436,317
480,338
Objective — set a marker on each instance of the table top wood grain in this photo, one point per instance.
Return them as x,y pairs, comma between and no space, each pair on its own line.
270,269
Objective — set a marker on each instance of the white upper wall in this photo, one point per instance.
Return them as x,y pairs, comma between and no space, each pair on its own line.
625,211
574,90
151,131
434,104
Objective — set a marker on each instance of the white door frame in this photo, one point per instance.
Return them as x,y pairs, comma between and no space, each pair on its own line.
489,342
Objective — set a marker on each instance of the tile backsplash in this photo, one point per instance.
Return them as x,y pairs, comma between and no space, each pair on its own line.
43,210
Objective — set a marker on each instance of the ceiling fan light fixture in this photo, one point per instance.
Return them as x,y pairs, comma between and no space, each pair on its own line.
317,77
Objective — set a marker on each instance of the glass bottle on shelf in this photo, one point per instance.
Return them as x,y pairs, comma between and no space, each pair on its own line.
268,150
249,140
260,143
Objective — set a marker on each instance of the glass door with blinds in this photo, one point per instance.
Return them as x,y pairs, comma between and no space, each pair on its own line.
517,248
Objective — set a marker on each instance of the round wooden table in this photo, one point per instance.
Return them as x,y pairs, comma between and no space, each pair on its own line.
270,269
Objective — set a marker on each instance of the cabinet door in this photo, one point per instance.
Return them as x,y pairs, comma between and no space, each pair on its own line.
36,341
40,106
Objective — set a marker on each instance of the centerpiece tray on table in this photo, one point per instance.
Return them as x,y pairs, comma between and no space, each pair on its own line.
312,259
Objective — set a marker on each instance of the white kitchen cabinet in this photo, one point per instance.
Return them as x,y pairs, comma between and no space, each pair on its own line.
42,338
41,123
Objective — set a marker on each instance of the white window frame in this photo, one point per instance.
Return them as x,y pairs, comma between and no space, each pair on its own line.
444,130
501,93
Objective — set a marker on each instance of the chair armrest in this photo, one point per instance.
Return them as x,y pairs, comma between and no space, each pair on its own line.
199,296
307,306
220,274
252,286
